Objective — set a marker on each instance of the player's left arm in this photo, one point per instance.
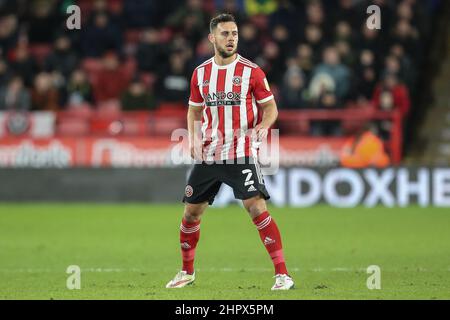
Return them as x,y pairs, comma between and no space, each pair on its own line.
265,99
270,115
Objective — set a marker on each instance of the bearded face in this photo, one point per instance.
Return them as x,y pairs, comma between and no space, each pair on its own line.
225,39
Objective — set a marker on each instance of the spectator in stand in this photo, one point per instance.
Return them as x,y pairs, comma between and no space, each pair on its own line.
62,60
181,45
345,11
8,33
24,64
293,89
305,59
10,6
260,7
189,19
345,52
391,94
290,16
281,36
343,32
150,51
112,79
326,100
234,7
137,97
271,62
14,96
204,51
5,72
363,150
370,39
366,77
339,73
106,7
100,36
44,20
408,72
44,95
392,66
138,13
174,80
408,36
315,15
78,90
313,37
248,37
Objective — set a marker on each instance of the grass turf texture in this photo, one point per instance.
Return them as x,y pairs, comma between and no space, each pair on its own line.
132,251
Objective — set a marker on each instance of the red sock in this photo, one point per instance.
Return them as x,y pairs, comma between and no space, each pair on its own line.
189,235
270,236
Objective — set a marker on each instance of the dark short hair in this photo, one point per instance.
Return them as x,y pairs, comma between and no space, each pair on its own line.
223,17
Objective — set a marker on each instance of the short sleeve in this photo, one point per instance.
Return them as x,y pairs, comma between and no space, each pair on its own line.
195,98
261,89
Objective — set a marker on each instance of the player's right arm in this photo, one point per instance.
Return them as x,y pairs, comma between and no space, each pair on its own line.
194,118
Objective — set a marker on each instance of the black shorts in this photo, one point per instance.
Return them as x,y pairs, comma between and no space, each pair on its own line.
245,178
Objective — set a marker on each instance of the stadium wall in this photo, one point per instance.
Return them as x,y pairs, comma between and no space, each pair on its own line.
296,187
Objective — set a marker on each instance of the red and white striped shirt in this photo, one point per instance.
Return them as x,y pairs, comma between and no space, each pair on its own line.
230,96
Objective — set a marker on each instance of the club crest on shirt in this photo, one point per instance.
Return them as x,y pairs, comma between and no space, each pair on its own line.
188,191
237,80
206,83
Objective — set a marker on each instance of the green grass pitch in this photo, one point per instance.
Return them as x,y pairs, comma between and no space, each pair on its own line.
132,251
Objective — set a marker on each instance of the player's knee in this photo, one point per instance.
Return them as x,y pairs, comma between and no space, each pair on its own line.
191,217
255,207
192,213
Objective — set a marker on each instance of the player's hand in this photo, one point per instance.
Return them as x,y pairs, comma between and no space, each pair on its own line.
261,132
196,153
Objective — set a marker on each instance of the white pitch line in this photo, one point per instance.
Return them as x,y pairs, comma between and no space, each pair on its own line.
226,269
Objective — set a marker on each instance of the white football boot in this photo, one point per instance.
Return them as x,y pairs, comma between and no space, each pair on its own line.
181,280
283,282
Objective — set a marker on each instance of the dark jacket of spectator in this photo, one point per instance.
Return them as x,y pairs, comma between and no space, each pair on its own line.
100,36
5,73
138,13
43,21
79,90
137,97
8,33
150,51
24,64
293,90
174,81
14,96
62,59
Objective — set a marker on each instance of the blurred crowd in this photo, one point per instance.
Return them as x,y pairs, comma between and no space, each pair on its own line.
140,54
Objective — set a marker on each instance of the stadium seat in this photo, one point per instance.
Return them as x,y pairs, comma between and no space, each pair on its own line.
82,111
297,127
164,126
68,126
109,110
171,109
135,126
